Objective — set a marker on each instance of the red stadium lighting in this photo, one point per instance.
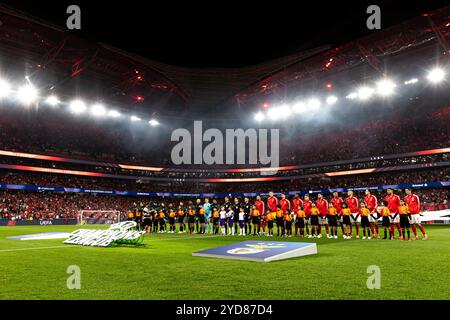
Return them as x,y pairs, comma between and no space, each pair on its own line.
329,86
265,105
139,98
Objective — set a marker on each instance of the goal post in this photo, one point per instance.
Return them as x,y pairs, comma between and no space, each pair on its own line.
98,217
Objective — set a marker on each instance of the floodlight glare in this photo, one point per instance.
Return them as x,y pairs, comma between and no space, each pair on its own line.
27,94
299,107
259,116
134,118
114,114
313,104
436,75
365,93
331,100
285,111
5,88
98,110
77,106
411,81
153,122
273,114
52,100
385,87
352,95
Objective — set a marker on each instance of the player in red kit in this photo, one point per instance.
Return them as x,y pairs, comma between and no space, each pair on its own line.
322,205
353,204
372,204
261,207
307,204
296,205
393,202
285,205
272,202
259,204
413,202
337,204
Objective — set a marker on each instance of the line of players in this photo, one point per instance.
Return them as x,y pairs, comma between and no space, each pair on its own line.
307,217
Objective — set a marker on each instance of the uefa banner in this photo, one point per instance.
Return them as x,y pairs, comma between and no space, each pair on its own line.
43,222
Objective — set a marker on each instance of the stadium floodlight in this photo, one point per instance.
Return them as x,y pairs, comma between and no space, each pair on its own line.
153,122
299,107
273,114
352,95
52,100
259,116
5,88
114,114
135,118
331,100
411,81
365,93
385,87
436,75
27,94
98,110
77,106
313,104
284,110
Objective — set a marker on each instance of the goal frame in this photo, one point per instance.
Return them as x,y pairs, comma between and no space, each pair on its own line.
80,215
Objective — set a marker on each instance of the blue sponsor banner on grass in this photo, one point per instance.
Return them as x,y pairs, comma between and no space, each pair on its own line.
262,251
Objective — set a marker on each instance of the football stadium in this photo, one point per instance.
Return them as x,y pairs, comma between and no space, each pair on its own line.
322,174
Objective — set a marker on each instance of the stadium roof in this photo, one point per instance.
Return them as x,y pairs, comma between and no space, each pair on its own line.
64,62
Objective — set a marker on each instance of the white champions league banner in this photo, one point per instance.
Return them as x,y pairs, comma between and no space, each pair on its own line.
442,215
118,233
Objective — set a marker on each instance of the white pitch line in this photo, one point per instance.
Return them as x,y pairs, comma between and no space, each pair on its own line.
36,248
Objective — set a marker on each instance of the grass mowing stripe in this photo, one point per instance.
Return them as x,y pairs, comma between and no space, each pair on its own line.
166,269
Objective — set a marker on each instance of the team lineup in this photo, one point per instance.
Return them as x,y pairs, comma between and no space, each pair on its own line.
308,218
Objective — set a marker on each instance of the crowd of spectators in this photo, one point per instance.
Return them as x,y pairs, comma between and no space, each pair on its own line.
60,134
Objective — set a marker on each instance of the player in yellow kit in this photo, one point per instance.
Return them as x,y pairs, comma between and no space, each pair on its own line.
162,221
300,221
269,219
314,222
280,221
332,220
386,222
202,219
288,223
405,216
364,212
171,218
346,212
215,219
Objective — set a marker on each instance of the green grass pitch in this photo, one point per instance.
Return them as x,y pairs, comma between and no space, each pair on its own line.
164,268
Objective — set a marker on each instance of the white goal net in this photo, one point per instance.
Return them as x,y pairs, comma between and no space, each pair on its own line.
98,217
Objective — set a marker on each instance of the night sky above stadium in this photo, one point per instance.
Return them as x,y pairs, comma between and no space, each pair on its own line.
223,34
